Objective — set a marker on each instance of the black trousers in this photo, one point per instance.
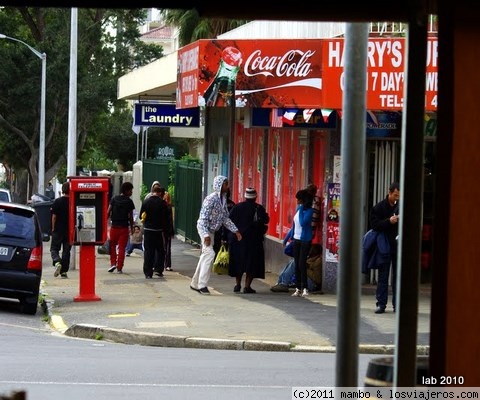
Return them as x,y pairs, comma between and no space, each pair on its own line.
154,252
59,243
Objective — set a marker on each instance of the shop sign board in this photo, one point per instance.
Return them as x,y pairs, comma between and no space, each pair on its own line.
166,115
292,73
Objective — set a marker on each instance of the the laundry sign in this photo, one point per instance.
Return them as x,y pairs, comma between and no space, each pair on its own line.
152,114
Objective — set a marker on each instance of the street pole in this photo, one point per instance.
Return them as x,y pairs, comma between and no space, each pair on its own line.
41,148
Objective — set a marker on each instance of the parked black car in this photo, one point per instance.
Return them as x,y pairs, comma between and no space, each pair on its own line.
21,251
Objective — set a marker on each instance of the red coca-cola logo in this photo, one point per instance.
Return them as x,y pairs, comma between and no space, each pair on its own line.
292,63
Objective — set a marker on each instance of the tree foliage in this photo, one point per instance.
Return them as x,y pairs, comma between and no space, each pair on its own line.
192,27
108,46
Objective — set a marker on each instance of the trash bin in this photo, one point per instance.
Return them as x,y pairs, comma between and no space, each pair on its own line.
42,208
380,371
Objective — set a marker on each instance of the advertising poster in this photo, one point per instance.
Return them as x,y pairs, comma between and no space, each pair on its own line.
320,147
238,164
337,169
333,222
289,186
273,183
257,163
284,73
248,162
333,240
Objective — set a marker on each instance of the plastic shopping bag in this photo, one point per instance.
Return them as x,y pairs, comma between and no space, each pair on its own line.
220,265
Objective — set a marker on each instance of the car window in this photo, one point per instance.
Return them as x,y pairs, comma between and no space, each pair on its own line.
4,196
17,227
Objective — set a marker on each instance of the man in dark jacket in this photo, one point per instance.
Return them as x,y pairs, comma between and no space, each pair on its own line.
384,218
60,240
155,215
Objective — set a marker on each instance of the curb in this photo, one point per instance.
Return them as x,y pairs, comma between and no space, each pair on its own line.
124,336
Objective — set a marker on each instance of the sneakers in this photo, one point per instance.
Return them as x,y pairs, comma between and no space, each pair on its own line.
191,287
58,268
279,288
305,293
159,274
168,269
112,268
297,293
119,271
204,290
63,275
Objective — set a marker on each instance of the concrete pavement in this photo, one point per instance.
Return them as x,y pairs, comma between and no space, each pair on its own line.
166,312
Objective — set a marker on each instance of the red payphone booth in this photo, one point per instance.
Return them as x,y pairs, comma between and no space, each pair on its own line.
88,226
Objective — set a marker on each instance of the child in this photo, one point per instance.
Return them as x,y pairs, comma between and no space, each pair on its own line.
136,240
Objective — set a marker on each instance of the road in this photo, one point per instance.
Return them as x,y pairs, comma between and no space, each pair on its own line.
51,366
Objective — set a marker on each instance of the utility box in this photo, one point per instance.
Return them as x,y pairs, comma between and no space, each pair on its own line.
88,209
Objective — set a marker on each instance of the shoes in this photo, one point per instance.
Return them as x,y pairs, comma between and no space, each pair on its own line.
64,275
191,287
112,268
159,274
249,290
119,271
204,290
297,293
148,277
127,255
168,269
236,288
279,288
379,310
305,293
58,268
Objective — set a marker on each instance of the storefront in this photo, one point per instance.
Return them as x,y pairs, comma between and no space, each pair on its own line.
283,99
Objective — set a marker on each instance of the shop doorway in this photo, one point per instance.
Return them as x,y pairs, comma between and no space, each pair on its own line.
383,161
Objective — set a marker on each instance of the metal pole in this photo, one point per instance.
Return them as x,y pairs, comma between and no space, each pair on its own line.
352,194
41,148
72,114
72,102
411,201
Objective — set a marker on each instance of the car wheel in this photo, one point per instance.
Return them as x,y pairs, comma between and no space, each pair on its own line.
29,305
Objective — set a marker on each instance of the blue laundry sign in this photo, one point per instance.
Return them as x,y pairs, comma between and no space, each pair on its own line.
152,114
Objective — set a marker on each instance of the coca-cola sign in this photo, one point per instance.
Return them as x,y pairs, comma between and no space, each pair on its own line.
281,65
273,73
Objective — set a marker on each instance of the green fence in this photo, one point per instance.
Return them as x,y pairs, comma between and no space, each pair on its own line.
188,198
155,170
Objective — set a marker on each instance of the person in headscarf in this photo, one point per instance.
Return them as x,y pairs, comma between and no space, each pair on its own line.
213,215
248,256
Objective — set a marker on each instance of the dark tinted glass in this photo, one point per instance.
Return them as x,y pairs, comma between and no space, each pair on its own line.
17,227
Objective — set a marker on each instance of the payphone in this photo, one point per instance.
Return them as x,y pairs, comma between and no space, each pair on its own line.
88,207
88,210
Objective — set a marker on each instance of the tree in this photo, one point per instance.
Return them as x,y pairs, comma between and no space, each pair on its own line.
192,27
108,46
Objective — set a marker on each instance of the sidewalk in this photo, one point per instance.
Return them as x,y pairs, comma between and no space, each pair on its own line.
166,312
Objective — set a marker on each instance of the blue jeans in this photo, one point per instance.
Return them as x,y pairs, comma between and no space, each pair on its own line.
287,276
131,246
382,283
